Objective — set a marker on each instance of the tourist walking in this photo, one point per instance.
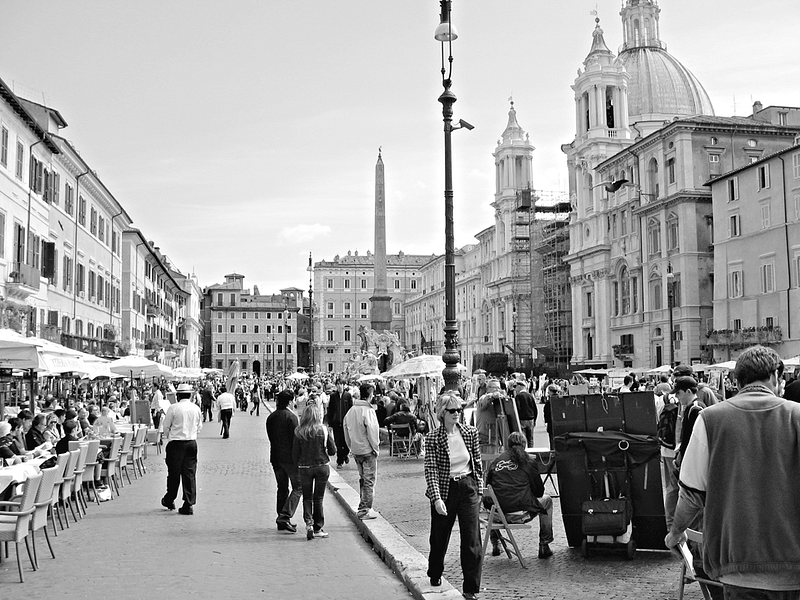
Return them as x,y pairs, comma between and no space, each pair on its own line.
226,402
339,404
453,476
363,438
281,426
207,402
741,468
312,446
181,425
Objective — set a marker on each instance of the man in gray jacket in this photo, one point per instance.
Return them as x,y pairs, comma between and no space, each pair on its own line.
363,439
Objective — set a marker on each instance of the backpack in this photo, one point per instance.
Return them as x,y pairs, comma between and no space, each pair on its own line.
667,422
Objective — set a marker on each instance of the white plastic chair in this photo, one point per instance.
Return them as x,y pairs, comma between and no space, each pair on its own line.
15,521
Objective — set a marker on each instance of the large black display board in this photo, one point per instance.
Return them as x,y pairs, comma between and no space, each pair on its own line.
626,419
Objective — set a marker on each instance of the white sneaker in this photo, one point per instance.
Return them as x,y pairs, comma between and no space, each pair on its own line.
370,514
320,534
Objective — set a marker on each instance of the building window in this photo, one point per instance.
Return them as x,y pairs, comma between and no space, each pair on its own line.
763,176
656,301
735,283
82,211
69,199
397,308
329,335
796,165
625,291
244,315
588,307
233,328
769,322
414,281
280,348
256,348
244,328
670,170
329,283
736,324
347,284
4,147
733,189
256,329
233,349
20,160
765,216
347,335
219,348
672,233
363,306
397,284
288,329
734,229
244,348
280,328
219,328
654,237
623,222
269,328
233,299
767,278
363,284
219,302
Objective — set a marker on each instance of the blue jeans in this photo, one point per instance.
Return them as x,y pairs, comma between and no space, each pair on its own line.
733,592
314,480
463,501
367,473
545,514
287,502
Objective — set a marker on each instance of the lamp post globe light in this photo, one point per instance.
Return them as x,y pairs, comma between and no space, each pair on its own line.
445,34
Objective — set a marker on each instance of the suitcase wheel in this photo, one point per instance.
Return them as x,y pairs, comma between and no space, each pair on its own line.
585,548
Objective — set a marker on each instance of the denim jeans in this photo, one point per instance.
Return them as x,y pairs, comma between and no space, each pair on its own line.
545,514
669,475
367,473
287,502
314,480
733,592
463,502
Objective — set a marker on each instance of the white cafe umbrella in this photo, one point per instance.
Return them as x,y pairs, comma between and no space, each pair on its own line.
134,366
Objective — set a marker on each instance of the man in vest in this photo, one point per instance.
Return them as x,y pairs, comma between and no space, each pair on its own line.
741,468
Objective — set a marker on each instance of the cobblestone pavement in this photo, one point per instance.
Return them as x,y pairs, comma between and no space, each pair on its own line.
400,498
131,548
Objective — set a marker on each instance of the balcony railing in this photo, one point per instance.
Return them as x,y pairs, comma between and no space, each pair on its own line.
25,275
90,345
742,338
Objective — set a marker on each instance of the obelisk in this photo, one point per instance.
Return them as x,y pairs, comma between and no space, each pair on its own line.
381,314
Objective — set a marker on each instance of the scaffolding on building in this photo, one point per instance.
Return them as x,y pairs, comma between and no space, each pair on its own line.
523,294
550,239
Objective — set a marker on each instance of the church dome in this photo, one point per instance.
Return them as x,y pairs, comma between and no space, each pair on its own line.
660,86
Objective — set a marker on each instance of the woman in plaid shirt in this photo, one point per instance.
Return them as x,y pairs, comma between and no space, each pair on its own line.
454,481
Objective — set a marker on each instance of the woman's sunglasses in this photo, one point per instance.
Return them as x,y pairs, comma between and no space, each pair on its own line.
453,411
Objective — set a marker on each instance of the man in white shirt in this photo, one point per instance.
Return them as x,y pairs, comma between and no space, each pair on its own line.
226,403
182,423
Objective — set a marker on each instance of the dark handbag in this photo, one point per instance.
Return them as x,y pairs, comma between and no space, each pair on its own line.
605,517
49,463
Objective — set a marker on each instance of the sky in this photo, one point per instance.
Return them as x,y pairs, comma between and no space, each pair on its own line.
242,135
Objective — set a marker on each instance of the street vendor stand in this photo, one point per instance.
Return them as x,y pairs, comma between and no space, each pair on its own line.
619,432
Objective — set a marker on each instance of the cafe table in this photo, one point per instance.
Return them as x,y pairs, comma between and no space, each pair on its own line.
19,473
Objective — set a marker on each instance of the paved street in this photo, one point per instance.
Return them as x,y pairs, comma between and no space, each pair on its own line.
567,575
131,548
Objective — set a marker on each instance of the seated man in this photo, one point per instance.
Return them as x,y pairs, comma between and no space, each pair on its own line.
515,479
70,428
8,446
403,416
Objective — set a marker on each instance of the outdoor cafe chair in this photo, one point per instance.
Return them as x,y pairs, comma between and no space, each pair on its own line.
401,441
124,454
91,467
109,465
15,522
65,495
154,439
137,451
55,508
44,499
77,482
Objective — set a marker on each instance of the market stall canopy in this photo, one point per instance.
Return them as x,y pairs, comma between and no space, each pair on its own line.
730,365
592,372
297,376
372,377
792,362
21,352
187,373
661,369
135,366
425,365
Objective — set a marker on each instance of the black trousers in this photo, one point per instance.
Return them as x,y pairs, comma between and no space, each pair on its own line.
342,450
181,459
287,502
463,502
225,416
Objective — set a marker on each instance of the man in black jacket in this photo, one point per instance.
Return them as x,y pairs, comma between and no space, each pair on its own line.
527,410
280,431
338,406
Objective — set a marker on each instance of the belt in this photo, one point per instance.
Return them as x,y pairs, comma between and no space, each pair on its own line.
460,476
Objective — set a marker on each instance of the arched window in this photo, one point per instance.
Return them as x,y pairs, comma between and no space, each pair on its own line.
652,178
654,237
656,301
624,291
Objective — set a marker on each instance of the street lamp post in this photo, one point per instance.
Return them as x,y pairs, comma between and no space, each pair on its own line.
670,304
310,314
445,34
